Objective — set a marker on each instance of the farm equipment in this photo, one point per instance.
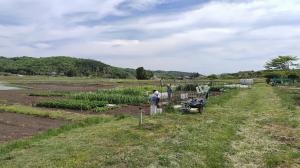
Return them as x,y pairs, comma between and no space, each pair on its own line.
199,102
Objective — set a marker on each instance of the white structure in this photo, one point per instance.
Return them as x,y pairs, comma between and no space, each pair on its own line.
238,86
184,96
164,95
246,81
202,89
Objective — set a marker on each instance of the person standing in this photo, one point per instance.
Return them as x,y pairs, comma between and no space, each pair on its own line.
170,92
158,95
154,99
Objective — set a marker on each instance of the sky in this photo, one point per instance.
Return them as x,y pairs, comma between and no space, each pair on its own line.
205,36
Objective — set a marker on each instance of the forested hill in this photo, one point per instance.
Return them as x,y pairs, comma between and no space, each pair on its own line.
64,66
68,66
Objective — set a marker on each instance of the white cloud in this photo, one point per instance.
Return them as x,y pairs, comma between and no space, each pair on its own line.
145,4
215,37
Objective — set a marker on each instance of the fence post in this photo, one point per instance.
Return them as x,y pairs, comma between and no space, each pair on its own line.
141,117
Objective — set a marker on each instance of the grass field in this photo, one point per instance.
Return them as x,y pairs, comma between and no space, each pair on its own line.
247,128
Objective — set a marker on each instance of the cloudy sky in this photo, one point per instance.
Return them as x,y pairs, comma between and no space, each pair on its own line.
206,36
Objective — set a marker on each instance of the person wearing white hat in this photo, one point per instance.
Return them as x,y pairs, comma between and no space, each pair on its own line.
154,100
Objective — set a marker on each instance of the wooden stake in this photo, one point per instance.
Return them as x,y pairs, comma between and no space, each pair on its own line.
141,117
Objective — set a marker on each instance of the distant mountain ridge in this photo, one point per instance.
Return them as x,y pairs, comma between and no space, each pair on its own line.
70,66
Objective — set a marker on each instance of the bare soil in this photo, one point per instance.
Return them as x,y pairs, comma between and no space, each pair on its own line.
21,96
68,87
15,126
130,110
12,97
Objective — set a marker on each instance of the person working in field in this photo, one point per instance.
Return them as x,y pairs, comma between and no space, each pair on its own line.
170,92
154,100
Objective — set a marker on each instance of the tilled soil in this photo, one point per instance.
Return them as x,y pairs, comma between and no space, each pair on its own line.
68,87
130,110
15,126
19,97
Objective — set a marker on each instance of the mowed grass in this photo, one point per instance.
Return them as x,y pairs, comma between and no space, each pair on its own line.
20,109
270,135
238,129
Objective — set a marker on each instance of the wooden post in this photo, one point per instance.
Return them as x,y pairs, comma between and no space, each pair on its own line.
141,117
161,86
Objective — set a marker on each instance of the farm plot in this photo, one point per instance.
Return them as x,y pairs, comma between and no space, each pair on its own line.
239,129
35,91
126,100
96,101
15,126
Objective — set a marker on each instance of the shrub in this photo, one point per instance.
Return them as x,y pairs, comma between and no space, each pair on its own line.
187,87
169,108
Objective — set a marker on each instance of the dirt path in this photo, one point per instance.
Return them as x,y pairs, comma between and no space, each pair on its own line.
14,126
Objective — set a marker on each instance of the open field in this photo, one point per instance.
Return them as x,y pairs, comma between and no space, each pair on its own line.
243,128
150,84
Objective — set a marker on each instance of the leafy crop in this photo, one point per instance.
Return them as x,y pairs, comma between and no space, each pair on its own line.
103,109
125,91
72,104
49,94
111,98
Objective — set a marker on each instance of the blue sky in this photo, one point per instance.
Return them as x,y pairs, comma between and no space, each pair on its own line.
206,36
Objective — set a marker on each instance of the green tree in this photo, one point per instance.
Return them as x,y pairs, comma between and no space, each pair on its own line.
281,63
213,76
142,74
195,75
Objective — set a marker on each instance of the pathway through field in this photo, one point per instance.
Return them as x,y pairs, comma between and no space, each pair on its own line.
249,129
267,139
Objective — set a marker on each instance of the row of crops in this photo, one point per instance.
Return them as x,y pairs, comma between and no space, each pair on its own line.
95,101
49,94
111,98
72,104
98,100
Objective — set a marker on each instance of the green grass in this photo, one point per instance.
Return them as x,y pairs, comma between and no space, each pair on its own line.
237,129
289,97
154,144
25,143
43,113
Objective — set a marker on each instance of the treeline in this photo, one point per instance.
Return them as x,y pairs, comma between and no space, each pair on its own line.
69,66
258,74
62,66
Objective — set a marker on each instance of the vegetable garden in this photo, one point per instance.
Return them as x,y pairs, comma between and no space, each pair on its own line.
95,101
